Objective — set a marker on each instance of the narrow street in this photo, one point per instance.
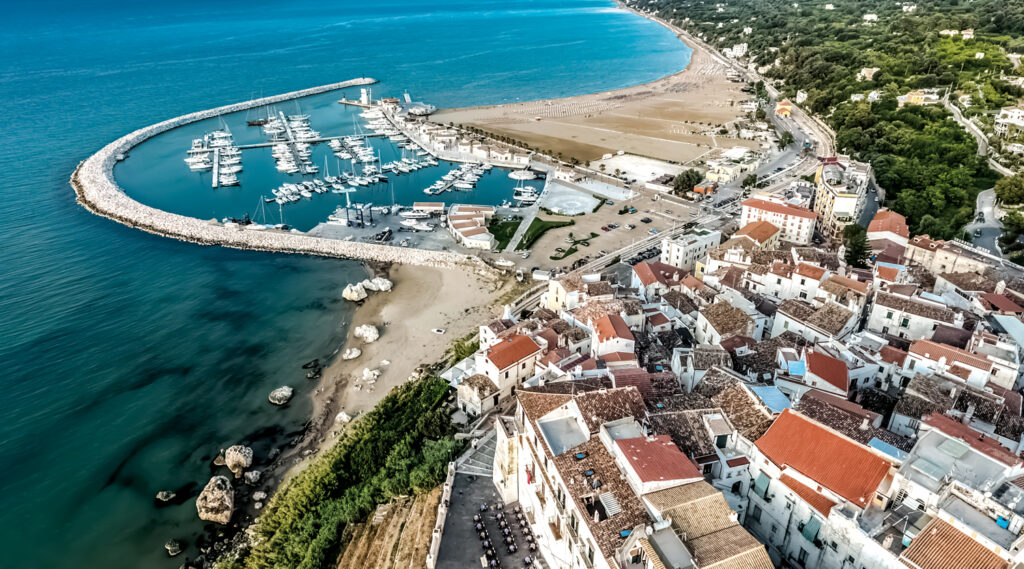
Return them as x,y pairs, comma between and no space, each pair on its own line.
990,228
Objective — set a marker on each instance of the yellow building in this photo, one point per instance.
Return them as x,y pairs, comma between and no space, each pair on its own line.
784,108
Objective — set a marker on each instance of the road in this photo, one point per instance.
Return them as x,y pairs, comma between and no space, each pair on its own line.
990,228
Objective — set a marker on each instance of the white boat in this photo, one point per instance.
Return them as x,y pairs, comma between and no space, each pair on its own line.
464,185
504,263
413,214
409,222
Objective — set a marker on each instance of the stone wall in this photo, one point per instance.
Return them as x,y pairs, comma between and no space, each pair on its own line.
97,190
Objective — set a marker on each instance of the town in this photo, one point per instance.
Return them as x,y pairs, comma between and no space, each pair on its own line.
748,401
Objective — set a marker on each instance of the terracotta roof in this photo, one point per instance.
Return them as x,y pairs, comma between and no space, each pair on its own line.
887,273
914,307
599,407
511,351
933,351
836,462
645,273
1001,303
638,378
828,368
783,209
481,384
970,281
892,355
830,318
979,442
727,319
731,548
810,271
888,220
657,459
612,326
619,357
760,231
856,286
820,503
658,319
942,546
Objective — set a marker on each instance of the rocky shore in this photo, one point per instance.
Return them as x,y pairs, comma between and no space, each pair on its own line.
96,189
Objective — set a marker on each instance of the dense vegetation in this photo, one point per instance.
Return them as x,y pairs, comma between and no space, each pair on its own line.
925,162
402,446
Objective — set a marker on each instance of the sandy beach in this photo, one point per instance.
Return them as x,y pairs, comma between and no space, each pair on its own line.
422,299
677,118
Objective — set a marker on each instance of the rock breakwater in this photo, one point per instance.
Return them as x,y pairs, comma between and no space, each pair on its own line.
96,189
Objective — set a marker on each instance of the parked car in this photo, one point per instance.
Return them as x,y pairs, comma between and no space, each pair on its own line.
654,231
605,228
646,220
613,225
631,226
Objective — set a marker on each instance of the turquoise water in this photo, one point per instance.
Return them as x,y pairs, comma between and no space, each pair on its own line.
129,359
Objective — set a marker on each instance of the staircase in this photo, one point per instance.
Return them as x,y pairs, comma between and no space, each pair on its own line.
480,461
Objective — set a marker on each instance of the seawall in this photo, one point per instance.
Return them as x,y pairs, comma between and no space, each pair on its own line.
96,189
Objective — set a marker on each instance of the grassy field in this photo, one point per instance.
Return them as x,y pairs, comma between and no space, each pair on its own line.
503,230
537,229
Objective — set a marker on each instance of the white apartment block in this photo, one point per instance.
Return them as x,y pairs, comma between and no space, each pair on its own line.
795,223
684,251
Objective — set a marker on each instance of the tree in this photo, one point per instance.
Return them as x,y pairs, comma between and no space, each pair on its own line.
750,181
855,240
686,180
1010,190
785,139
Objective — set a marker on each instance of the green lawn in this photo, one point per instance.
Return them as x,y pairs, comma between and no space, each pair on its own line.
537,228
503,230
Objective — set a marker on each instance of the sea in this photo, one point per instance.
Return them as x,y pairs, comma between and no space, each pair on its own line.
126,359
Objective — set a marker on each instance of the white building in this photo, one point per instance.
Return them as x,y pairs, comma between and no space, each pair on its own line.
685,250
796,223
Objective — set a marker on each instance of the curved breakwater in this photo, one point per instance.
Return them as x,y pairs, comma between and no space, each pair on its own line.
96,189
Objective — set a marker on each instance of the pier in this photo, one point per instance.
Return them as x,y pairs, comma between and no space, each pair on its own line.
97,191
216,168
311,141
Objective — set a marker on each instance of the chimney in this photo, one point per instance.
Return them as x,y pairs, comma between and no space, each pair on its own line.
864,425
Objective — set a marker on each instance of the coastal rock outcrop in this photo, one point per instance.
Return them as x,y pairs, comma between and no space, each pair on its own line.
217,501
351,354
369,286
237,458
354,292
370,374
342,417
281,395
382,284
173,547
253,476
366,333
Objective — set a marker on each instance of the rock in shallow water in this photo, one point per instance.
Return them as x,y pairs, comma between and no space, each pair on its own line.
173,547
217,501
259,495
253,476
165,495
366,333
281,395
354,292
237,458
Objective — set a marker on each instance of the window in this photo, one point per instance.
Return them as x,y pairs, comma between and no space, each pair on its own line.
755,514
888,315
801,557
905,323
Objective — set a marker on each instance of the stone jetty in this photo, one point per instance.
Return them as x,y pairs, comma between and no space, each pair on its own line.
96,189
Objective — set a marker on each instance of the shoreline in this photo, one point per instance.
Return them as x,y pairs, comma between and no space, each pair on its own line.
675,118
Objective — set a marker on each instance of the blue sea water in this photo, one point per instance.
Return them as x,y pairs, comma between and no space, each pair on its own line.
127,360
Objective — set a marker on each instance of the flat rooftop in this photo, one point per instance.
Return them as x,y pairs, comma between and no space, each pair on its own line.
562,434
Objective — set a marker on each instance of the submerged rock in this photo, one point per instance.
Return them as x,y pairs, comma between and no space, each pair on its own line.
237,458
259,495
165,495
366,333
351,354
219,460
173,547
354,292
281,395
217,501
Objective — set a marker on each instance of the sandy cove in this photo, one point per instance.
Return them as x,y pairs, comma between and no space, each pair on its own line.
675,118
423,298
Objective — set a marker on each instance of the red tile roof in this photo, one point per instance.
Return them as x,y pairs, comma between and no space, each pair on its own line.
810,271
619,357
1001,303
828,368
657,459
832,460
816,500
942,546
782,209
658,319
759,231
888,220
892,355
512,351
979,442
933,351
638,378
740,461
612,326
887,273
645,273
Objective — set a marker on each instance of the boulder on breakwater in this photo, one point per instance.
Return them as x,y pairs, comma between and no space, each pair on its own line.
354,292
351,354
217,501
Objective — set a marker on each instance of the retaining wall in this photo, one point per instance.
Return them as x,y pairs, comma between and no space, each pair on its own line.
97,190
